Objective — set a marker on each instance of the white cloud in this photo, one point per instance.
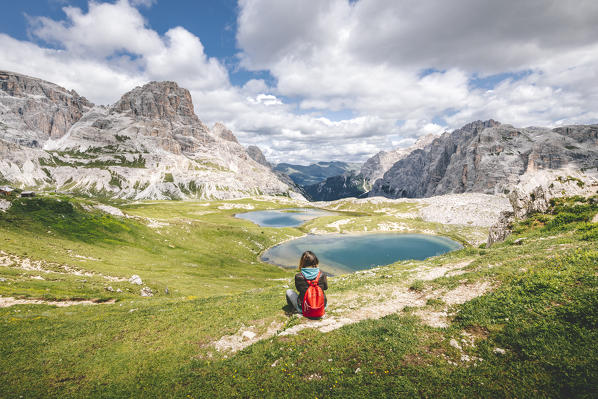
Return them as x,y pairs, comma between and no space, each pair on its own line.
414,60
266,99
144,3
105,30
400,69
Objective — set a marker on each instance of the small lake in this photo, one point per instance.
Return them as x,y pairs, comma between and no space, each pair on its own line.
346,253
283,217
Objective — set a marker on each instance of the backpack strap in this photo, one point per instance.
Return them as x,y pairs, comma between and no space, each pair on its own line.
315,281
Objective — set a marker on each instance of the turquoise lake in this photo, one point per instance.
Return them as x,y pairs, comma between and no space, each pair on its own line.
346,253
283,217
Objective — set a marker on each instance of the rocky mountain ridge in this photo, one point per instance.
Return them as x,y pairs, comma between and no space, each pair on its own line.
492,158
257,155
375,167
357,184
148,145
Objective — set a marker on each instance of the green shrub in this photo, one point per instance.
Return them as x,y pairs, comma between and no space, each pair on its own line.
417,286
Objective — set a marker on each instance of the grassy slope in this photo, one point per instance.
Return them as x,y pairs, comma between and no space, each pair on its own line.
543,312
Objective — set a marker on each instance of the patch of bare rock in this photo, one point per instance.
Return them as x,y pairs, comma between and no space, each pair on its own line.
244,337
9,301
8,260
4,205
534,195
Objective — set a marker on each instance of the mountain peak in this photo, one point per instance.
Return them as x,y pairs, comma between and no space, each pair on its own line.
158,100
257,155
43,110
223,132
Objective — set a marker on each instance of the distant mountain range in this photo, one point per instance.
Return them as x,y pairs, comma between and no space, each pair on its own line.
151,145
315,173
148,145
492,158
359,181
482,156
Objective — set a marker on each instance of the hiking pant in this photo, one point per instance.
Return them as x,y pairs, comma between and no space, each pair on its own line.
292,299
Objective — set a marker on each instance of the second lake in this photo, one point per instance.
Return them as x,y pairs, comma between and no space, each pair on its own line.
283,217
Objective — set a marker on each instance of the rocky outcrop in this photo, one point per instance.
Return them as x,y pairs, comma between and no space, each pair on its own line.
257,155
164,101
148,145
352,184
224,133
488,157
32,110
525,203
375,167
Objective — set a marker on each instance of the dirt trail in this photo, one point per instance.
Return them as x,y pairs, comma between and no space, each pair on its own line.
8,260
10,301
386,300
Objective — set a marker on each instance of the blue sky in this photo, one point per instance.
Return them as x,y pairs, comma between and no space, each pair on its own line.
311,80
213,21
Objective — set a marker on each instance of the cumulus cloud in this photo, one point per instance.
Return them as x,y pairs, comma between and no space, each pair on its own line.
110,49
415,62
106,29
266,99
394,70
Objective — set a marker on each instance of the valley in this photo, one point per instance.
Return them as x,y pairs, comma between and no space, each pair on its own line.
133,237
215,310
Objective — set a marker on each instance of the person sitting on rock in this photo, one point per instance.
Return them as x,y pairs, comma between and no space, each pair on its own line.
309,275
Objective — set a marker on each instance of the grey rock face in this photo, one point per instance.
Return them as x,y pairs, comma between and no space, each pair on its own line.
352,184
221,131
148,145
32,110
526,202
488,157
524,205
375,167
158,100
257,155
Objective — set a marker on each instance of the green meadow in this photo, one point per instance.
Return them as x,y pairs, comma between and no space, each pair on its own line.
531,332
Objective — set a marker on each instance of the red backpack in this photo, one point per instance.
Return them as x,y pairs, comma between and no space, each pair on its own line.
313,300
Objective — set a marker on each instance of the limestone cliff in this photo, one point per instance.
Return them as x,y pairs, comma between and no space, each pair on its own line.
375,167
33,110
491,158
148,145
353,184
257,155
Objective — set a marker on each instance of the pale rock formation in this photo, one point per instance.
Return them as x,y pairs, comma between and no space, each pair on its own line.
257,155
490,158
148,145
526,202
354,184
32,110
221,131
375,167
